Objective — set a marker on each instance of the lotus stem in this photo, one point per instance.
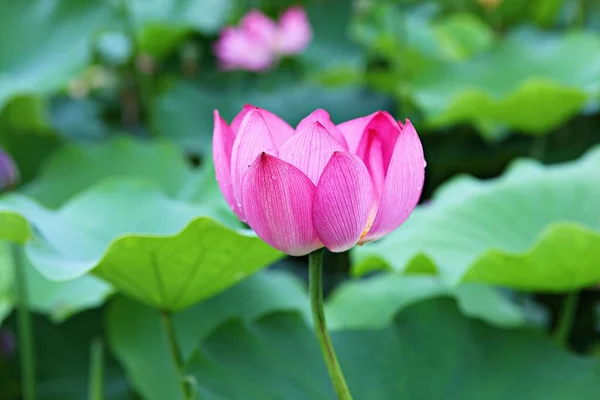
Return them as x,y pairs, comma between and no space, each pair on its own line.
26,346
167,321
566,318
315,288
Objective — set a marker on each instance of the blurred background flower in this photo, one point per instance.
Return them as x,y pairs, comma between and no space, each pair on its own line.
259,41
9,175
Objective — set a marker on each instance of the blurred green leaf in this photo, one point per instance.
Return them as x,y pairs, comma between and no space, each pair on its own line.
557,76
535,228
331,46
77,119
26,113
461,36
161,24
373,303
156,249
139,340
278,357
75,167
189,107
68,345
6,282
57,300
61,300
46,43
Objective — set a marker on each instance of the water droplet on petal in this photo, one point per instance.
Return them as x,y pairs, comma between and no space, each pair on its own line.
424,164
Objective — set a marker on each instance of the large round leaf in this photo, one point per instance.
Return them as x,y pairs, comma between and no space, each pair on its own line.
75,167
58,300
363,304
373,303
46,43
556,76
139,339
429,352
147,245
536,228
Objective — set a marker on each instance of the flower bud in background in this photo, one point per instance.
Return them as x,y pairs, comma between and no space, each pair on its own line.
9,175
319,184
258,41
239,49
294,32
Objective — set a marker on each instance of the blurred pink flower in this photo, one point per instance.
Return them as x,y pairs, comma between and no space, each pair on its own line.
294,32
9,174
237,49
319,184
258,41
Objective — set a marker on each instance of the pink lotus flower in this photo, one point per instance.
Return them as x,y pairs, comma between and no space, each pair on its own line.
9,175
294,32
320,184
257,43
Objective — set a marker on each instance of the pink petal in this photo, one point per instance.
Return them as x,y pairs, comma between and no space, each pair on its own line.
322,116
222,146
294,31
376,165
342,202
252,139
310,150
278,201
280,130
260,27
375,148
236,49
355,129
403,184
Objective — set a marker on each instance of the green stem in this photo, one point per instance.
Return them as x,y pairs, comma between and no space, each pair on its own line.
580,20
96,371
167,321
26,347
315,272
566,318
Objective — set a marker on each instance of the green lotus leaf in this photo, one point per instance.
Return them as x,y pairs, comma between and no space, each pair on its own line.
38,61
147,361
278,357
535,228
165,252
557,76
75,167
355,305
374,302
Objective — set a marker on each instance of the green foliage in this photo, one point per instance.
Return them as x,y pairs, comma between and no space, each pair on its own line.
157,161
535,228
551,84
374,303
259,295
278,357
107,106
27,66
190,106
161,25
172,262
